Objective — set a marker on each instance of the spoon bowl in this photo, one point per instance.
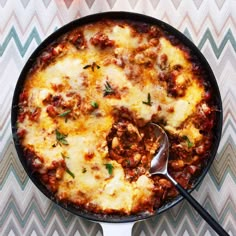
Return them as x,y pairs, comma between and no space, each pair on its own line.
159,165
160,161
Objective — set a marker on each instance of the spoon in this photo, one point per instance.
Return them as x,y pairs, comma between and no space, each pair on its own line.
159,166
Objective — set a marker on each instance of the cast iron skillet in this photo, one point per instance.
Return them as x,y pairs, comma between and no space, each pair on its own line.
94,18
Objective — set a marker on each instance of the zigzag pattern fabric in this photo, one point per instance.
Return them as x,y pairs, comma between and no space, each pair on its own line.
210,24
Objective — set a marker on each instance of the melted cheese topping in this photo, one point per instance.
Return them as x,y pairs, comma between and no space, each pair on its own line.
86,132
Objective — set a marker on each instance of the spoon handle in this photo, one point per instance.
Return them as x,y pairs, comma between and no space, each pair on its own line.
205,215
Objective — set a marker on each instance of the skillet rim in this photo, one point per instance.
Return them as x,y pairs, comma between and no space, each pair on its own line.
119,15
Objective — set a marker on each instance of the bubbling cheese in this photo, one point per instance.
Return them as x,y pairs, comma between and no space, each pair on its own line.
77,94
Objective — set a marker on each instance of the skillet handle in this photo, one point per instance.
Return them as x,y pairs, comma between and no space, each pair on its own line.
201,211
117,229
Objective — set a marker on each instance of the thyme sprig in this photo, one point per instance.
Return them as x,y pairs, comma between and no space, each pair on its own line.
92,66
108,89
148,102
70,172
65,114
64,156
109,168
189,143
61,138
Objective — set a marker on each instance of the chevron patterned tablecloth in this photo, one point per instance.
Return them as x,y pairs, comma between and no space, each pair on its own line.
210,24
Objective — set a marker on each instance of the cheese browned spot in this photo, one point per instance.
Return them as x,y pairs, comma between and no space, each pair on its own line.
84,109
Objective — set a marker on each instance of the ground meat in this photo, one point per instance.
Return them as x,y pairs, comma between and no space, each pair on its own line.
100,39
77,39
132,147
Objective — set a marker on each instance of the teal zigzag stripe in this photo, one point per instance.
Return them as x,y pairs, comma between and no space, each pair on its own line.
218,185
158,224
184,208
12,35
229,125
22,183
67,220
4,131
229,37
208,36
33,209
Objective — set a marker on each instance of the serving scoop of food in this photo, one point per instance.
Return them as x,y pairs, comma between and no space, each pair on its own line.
159,165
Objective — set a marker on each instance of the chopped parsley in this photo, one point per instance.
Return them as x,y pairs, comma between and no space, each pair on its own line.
189,143
148,102
108,89
61,138
84,170
109,168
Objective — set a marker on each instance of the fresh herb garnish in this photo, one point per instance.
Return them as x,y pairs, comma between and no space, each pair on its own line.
87,66
108,89
70,173
61,138
189,143
84,170
64,113
94,104
97,66
148,102
109,168
92,66
128,162
64,156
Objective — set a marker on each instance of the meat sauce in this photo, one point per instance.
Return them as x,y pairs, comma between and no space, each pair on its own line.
129,141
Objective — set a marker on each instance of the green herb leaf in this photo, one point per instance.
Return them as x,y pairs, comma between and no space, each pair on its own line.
64,156
70,173
109,168
108,89
189,143
92,66
128,162
64,113
148,102
87,66
94,104
61,138
64,141
84,170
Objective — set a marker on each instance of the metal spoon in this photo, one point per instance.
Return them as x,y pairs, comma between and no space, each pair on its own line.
159,166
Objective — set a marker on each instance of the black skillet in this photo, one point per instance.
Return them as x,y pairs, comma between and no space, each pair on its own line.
210,80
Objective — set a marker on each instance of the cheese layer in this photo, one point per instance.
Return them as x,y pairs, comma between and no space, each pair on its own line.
79,77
